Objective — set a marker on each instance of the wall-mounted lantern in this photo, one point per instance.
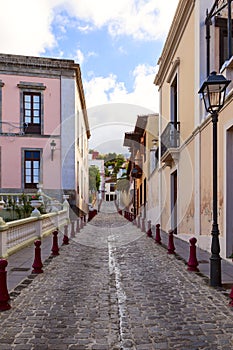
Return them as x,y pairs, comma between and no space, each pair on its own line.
52,148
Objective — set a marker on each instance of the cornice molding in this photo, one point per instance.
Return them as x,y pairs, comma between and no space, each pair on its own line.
36,66
33,61
82,98
179,23
31,86
175,65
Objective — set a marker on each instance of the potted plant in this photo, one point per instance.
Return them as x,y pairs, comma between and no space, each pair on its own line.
35,202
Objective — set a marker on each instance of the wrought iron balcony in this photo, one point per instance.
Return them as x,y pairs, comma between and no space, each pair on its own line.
170,137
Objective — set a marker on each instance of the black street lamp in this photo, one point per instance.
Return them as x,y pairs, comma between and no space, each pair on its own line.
213,91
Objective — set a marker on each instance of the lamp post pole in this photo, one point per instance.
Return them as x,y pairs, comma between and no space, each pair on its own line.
215,259
213,91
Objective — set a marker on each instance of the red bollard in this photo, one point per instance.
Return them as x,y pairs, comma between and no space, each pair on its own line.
65,237
192,263
4,295
55,248
138,224
91,214
37,265
77,226
143,229
157,234
149,231
72,233
231,296
171,247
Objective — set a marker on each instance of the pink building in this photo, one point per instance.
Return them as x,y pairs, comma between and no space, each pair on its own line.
44,128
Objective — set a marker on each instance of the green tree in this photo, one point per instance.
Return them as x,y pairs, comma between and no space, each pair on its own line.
119,161
94,178
115,161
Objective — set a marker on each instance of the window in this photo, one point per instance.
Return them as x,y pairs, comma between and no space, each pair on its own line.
31,168
173,129
144,192
223,40
32,107
174,102
32,112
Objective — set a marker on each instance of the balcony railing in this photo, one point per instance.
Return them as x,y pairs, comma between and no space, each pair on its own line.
17,234
170,137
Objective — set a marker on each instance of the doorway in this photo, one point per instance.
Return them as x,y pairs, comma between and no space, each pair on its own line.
174,201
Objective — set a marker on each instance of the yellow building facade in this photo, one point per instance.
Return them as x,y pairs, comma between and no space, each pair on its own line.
183,177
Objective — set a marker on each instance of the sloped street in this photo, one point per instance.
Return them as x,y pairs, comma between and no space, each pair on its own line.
113,288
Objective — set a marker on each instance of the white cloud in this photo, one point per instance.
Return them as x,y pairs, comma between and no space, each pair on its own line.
85,29
122,50
25,26
92,54
109,122
141,19
102,90
112,110
97,90
79,57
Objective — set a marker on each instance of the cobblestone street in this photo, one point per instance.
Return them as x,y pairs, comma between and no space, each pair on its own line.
113,288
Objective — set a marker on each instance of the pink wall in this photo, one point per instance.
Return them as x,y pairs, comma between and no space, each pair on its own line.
11,146
11,161
11,100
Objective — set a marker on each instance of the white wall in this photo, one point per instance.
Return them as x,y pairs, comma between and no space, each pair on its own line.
68,133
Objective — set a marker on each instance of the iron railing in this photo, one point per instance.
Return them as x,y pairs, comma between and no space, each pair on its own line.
170,137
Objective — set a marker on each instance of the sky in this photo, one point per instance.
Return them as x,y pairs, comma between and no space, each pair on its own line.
117,44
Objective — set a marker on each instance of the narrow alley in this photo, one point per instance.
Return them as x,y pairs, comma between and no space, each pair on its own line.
113,288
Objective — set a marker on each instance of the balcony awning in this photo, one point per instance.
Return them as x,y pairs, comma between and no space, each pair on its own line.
141,124
131,138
